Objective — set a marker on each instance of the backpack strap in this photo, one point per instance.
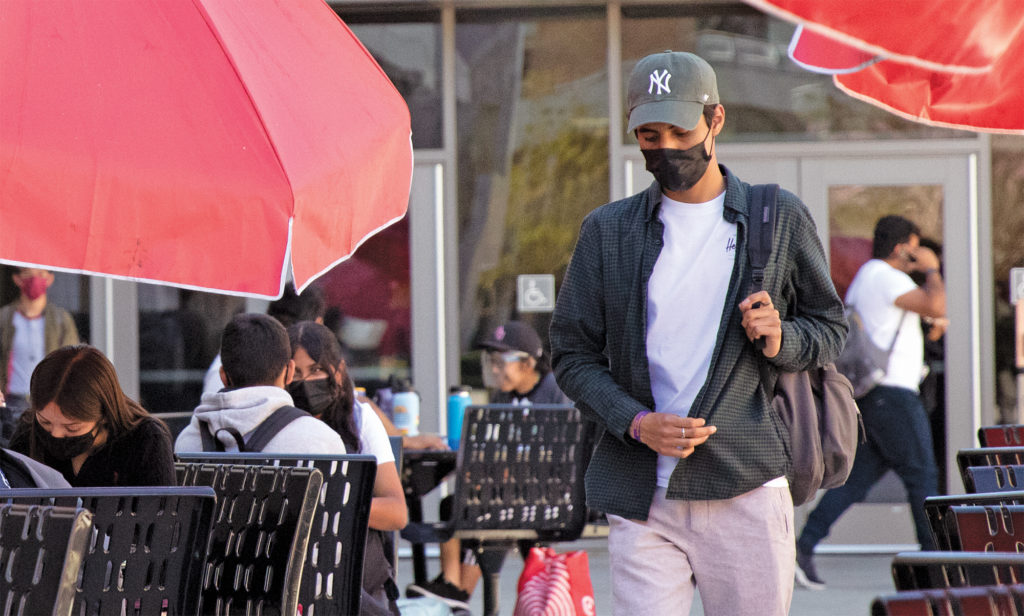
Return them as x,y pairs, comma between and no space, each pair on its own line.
270,426
761,231
259,437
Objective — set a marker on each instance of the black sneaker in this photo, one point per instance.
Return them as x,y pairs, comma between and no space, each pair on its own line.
442,590
806,575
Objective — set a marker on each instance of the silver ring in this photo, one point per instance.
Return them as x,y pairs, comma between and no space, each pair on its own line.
684,432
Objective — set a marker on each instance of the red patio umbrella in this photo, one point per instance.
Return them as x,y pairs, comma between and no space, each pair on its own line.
194,142
939,62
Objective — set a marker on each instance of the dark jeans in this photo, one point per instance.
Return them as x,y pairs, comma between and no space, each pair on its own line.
898,437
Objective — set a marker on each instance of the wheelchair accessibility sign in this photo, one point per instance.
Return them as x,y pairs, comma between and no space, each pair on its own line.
535,293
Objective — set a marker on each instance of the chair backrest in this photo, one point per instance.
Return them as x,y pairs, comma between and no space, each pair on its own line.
146,549
1011,435
260,535
976,601
989,456
520,470
1002,478
41,553
938,510
920,570
986,528
332,567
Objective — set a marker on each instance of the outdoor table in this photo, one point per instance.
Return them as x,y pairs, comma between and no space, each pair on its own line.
422,471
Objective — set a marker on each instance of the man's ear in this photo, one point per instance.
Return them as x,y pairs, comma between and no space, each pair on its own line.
718,121
289,372
224,377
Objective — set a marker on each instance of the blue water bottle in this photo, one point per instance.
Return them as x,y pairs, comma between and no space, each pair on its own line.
458,400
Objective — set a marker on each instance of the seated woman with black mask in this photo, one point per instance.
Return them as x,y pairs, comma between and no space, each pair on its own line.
323,387
82,424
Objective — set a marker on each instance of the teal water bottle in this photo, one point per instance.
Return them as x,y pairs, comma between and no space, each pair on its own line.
458,400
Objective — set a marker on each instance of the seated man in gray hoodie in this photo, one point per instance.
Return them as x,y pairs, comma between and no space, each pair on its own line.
257,365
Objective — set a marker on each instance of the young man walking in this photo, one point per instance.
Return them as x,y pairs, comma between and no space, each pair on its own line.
896,425
653,337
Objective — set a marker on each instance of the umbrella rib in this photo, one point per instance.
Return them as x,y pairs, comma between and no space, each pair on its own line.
248,94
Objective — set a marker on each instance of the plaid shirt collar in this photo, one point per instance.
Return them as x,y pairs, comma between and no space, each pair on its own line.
735,198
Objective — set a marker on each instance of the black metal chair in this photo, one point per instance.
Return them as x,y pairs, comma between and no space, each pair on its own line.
259,537
987,456
1010,435
518,482
146,548
972,601
41,553
923,570
331,563
997,478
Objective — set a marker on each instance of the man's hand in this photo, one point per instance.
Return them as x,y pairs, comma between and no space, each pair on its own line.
761,320
672,435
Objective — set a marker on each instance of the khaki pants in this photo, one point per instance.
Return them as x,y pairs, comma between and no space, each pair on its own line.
739,553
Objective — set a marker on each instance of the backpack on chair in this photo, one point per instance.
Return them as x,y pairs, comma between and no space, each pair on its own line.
816,405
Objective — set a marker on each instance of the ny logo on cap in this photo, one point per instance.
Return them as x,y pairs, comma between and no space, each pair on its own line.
660,80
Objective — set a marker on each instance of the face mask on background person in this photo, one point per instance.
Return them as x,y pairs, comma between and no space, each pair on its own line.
677,169
67,447
33,287
312,395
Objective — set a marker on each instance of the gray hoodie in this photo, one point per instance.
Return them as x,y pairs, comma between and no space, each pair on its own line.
245,408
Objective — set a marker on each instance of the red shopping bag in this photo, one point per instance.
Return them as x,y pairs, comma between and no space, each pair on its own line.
555,585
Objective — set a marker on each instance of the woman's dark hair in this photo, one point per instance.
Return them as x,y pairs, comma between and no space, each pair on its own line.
323,348
82,382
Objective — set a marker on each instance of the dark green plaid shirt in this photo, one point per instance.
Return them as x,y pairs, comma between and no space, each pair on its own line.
598,341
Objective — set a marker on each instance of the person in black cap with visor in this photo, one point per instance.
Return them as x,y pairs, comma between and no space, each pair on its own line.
516,368
653,337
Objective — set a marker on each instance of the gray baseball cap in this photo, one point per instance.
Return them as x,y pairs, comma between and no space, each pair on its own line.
672,87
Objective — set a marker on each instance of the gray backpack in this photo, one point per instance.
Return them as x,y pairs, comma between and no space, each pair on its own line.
861,361
816,406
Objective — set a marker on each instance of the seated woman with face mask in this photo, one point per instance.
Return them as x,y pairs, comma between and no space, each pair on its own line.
323,387
82,424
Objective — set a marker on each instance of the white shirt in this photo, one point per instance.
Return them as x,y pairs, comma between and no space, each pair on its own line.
685,300
27,349
372,435
873,293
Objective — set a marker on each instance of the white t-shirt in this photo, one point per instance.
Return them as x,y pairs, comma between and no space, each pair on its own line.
372,435
685,299
873,293
27,349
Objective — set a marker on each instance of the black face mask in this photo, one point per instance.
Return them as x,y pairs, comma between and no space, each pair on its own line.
313,396
676,169
66,447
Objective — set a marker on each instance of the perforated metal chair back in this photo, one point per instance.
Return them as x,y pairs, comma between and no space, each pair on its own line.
986,528
41,553
987,456
259,536
996,478
1010,435
146,546
976,601
521,468
922,570
333,563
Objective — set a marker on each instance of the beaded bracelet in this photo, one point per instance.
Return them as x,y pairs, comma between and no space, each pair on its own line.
636,424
